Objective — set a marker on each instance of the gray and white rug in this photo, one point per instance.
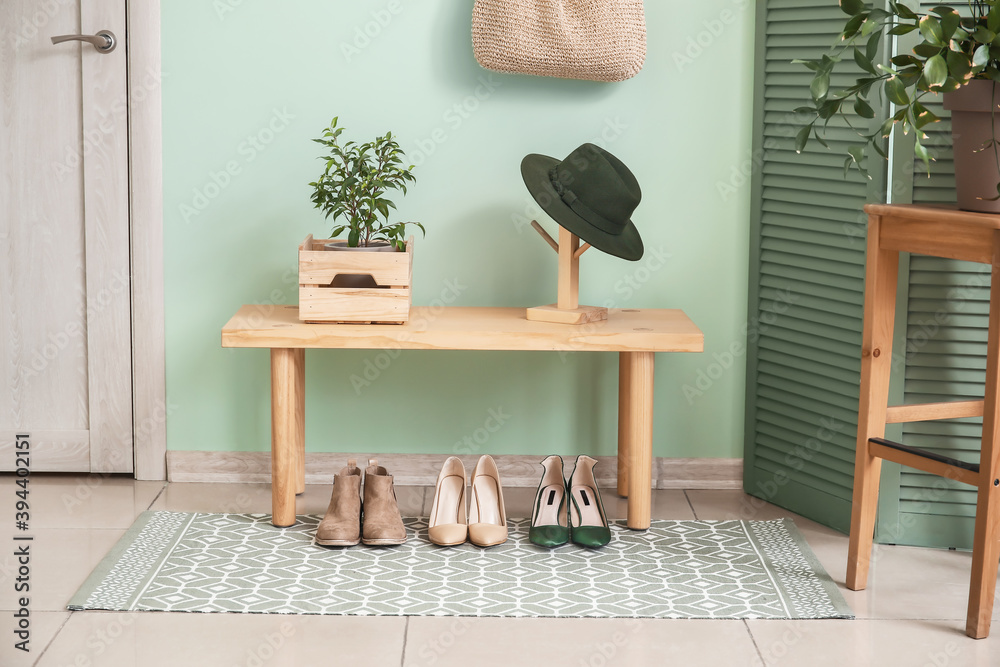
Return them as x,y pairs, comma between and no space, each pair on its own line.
240,563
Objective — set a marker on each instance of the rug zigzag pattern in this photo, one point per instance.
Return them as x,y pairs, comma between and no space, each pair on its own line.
678,569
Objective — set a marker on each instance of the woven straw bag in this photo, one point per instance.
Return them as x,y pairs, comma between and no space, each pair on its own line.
598,40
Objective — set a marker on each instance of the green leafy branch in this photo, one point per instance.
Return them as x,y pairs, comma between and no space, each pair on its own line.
354,185
954,49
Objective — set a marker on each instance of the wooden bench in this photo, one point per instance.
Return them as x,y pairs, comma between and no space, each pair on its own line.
636,335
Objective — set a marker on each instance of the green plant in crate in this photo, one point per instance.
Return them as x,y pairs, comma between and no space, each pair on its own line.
354,184
954,49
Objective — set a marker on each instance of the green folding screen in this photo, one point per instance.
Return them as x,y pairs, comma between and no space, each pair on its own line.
807,279
806,284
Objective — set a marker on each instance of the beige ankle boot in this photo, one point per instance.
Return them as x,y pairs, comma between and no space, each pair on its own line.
382,523
341,526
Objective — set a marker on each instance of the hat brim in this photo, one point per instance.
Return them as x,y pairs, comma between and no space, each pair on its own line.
535,172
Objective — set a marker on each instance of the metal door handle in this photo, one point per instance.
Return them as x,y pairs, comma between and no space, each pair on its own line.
104,41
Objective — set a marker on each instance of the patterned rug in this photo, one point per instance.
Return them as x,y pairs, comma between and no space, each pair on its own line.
171,561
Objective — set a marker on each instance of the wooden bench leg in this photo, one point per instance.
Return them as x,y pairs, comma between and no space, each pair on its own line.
287,431
300,418
876,365
640,430
985,548
624,410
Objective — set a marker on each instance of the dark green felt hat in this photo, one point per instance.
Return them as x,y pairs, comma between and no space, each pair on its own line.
592,194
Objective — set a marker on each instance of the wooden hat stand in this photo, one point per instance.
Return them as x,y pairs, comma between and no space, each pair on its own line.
567,310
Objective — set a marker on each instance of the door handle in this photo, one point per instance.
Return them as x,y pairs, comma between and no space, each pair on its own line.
104,41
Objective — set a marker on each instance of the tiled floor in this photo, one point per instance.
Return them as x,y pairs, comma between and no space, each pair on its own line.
912,613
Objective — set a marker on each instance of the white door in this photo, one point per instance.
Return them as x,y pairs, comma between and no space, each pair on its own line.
65,348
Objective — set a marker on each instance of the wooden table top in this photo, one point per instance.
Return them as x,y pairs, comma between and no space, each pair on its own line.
938,231
946,215
628,330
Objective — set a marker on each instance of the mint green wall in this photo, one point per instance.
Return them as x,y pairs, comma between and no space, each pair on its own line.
234,70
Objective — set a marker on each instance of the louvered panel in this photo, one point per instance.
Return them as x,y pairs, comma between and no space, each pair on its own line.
807,280
967,428
771,286
785,395
933,305
810,358
818,264
831,219
839,349
814,464
774,465
778,402
778,300
777,425
806,198
791,247
796,373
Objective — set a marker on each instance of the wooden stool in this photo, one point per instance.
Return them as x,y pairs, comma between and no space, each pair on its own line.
939,232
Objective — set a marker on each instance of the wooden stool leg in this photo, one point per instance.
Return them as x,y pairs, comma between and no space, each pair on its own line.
300,418
640,470
985,557
287,431
624,411
876,365
985,548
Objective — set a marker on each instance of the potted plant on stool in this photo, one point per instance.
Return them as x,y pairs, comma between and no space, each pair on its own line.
958,55
365,278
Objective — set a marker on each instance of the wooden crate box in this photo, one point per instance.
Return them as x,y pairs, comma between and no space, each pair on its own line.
388,303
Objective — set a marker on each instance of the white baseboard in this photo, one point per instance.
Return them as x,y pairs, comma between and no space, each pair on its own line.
422,469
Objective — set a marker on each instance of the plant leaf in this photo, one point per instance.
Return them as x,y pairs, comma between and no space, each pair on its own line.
896,91
935,71
852,7
820,86
863,109
903,11
930,28
801,137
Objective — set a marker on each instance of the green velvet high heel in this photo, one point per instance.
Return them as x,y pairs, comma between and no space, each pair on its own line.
549,527
587,519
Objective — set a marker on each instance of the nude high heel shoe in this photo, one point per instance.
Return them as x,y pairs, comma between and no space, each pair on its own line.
448,524
487,516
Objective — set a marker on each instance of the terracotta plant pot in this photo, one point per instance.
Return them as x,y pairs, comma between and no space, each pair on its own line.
973,123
